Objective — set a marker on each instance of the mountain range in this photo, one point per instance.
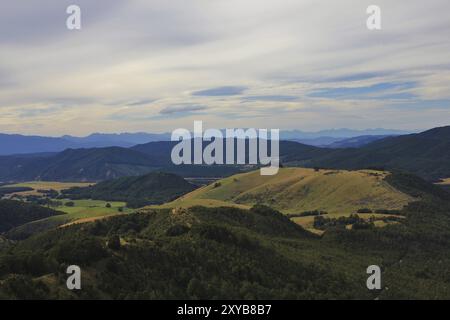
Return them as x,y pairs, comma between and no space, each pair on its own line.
426,154
11,144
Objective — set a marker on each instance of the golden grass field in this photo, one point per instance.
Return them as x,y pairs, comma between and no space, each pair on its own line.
85,210
46,185
445,181
295,190
292,190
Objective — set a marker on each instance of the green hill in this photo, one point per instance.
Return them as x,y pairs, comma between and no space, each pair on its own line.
16,213
295,190
94,164
152,188
426,154
230,253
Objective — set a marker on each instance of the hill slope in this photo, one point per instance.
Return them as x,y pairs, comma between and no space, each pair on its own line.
294,190
152,188
354,142
228,253
426,154
78,165
16,213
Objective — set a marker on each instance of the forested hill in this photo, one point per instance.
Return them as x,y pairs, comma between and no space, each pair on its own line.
426,154
152,188
229,253
16,213
94,164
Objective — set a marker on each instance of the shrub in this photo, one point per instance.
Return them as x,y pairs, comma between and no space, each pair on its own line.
177,230
114,242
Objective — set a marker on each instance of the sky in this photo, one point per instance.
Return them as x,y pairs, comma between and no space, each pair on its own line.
158,65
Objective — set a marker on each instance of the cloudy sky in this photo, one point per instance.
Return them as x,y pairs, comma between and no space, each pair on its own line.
157,65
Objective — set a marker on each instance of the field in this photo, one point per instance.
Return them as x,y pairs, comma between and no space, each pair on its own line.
46,185
90,209
82,211
444,182
296,190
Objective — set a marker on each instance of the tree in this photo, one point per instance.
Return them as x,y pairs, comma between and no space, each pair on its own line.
114,242
195,289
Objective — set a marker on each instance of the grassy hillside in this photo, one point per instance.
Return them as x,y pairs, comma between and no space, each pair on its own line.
295,190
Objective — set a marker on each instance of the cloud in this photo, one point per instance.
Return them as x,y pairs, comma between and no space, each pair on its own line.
357,77
184,109
154,64
220,91
140,102
379,90
279,98
22,23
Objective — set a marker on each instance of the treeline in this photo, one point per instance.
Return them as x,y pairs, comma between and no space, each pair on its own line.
152,188
202,254
229,253
307,214
15,213
9,190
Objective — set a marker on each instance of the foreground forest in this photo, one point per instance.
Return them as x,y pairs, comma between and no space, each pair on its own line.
232,253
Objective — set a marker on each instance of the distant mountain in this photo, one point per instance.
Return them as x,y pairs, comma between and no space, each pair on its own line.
78,165
119,139
160,150
152,188
11,144
338,133
22,167
426,154
354,142
16,144
318,142
97,164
